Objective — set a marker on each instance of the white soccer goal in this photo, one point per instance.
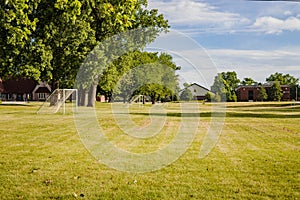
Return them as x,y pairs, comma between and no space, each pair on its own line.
60,99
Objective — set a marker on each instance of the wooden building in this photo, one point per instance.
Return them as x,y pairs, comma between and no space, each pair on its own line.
198,91
23,89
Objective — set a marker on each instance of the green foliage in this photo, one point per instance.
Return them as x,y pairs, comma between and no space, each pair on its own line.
218,87
248,81
262,95
185,85
48,40
141,73
276,91
186,95
285,79
217,98
209,96
225,84
18,54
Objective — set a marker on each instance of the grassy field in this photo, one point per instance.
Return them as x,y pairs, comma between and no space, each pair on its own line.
257,156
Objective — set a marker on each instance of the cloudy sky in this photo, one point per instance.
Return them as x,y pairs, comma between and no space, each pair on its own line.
253,38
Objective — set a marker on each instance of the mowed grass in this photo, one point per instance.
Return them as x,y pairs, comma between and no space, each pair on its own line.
257,156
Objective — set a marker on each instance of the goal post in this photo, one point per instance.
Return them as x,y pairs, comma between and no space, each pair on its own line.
61,99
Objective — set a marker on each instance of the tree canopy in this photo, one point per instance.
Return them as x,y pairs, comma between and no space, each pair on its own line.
145,73
248,81
48,40
224,86
285,79
276,91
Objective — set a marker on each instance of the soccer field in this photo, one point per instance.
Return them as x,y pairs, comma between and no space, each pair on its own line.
256,156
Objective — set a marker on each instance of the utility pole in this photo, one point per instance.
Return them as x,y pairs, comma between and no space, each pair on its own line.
297,92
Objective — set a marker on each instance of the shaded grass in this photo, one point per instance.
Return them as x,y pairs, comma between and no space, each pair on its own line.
257,157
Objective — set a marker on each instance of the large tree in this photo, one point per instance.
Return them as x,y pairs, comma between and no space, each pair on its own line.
285,79
48,40
276,91
20,55
262,95
143,73
225,84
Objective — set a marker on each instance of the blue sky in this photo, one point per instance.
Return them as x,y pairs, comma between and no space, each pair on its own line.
253,38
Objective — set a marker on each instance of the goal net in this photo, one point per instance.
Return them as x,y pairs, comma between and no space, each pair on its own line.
63,100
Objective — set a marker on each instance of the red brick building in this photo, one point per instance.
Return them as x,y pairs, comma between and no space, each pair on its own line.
251,92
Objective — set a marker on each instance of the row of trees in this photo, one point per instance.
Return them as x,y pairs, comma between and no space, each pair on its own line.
226,83
140,73
48,40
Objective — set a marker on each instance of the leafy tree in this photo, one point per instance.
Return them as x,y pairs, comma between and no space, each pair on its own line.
262,95
248,81
186,95
285,79
276,91
217,98
209,96
218,87
158,79
141,73
231,83
19,55
225,84
185,85
49,40
111,18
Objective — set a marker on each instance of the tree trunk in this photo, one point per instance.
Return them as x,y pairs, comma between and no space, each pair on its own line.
82,97
85,98
153,100
92,95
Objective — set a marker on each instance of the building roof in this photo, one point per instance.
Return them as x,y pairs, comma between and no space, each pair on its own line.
258,86
197,90
43,90
21,85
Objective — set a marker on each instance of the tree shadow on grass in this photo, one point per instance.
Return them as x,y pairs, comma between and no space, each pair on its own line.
284,104
16,105
228,114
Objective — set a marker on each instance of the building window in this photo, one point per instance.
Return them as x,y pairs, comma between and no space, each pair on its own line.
41,95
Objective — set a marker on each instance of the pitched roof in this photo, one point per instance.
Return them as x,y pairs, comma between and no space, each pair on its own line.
200,86
21,85
197,90
42,90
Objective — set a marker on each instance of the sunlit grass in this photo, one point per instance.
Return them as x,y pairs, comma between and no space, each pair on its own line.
257,156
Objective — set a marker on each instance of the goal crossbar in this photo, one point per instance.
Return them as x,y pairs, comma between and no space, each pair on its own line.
57,100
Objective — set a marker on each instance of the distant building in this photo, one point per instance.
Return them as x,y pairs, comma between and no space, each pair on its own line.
23,89
198,91
251,92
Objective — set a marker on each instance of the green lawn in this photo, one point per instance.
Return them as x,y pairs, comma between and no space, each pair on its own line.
257,156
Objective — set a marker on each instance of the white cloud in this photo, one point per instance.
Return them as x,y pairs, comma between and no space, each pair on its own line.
195,13
288,13
257,64
273,25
